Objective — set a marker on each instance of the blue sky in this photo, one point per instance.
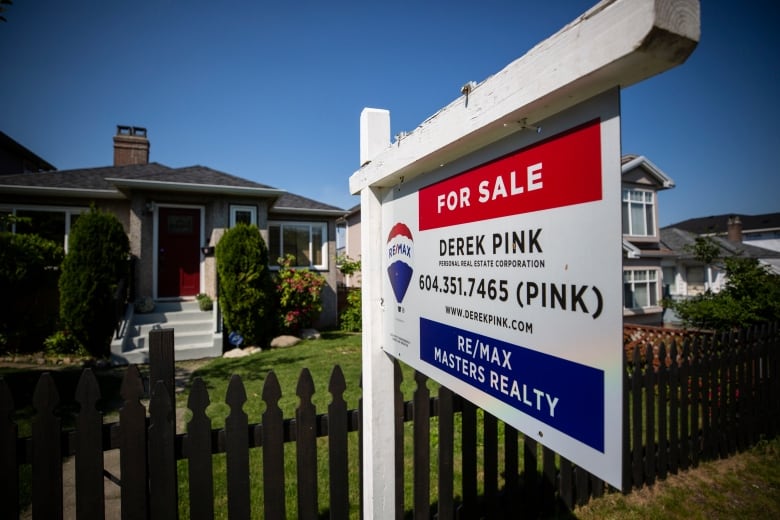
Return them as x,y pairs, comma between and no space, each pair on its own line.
272,91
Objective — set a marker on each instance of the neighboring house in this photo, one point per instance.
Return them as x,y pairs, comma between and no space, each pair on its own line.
685,276
348,243
175,216
643,251
15,158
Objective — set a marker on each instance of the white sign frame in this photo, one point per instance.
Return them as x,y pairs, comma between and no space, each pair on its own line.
616,43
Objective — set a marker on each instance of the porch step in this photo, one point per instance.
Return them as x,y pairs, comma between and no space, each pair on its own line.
194,334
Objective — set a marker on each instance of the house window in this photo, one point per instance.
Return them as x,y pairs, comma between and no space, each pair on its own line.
638,213
640,288
341,239
669,279
243,214
695,277
306,241
50,223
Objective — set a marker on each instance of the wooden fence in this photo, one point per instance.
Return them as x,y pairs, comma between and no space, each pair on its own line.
705,398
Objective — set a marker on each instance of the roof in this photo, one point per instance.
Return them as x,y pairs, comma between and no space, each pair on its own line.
291,203
629,162
113,181
716,224
680,241
8,143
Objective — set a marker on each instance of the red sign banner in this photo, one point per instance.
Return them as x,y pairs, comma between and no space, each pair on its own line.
563,170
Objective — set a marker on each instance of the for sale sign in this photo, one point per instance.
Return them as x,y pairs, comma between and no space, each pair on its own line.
503,281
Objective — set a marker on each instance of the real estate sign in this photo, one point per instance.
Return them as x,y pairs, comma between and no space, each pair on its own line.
503,281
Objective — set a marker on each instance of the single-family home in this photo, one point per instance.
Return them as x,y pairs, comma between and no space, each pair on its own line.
174,218
643,250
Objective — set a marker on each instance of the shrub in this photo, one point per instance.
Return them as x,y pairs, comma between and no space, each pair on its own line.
63,342
351,319
299,295
28,283
205,303
245,286
97,260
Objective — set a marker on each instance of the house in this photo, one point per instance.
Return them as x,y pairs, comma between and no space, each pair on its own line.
348,241
174,218
643,250
685,276
15,158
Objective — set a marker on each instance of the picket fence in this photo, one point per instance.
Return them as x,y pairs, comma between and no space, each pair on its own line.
703,398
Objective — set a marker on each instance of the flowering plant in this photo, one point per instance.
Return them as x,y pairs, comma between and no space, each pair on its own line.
299,295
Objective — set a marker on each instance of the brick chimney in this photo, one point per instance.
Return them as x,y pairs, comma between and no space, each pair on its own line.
734,227
130,146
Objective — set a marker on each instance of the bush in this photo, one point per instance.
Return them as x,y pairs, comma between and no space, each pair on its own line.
205,303
28,285
97,260
63,342
245,286
299,295
351,319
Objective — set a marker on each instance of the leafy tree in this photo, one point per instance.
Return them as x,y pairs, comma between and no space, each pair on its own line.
97,259
751,294
246,294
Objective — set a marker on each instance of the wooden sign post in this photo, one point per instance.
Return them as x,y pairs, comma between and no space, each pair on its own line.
464,228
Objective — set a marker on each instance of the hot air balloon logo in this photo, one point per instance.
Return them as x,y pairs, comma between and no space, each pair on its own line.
400,258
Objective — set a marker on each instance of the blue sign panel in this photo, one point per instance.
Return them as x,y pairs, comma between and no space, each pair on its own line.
563,394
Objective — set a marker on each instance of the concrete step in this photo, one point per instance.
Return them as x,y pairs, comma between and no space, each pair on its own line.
194,335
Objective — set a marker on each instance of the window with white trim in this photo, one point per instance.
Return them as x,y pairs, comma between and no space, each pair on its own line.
640,288
243,214
53,223
306,241
638,213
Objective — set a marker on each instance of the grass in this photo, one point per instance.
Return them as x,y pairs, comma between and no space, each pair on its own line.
744,486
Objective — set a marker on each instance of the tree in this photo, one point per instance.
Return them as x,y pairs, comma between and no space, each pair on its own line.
751,293
97,260
246,294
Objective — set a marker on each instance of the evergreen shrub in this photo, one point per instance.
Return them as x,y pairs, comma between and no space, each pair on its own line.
97,260
246,295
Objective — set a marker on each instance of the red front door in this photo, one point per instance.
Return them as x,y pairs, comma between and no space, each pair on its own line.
178,256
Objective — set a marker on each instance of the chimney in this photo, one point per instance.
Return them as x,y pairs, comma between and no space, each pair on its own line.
130,146
734,228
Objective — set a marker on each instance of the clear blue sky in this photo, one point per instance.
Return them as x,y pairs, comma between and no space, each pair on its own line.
272,91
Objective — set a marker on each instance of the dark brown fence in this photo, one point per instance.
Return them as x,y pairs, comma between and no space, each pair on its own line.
705,398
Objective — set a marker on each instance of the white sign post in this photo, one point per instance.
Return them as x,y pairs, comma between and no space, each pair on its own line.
491,241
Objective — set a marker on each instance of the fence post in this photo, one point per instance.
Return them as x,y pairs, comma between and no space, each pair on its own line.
162,360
